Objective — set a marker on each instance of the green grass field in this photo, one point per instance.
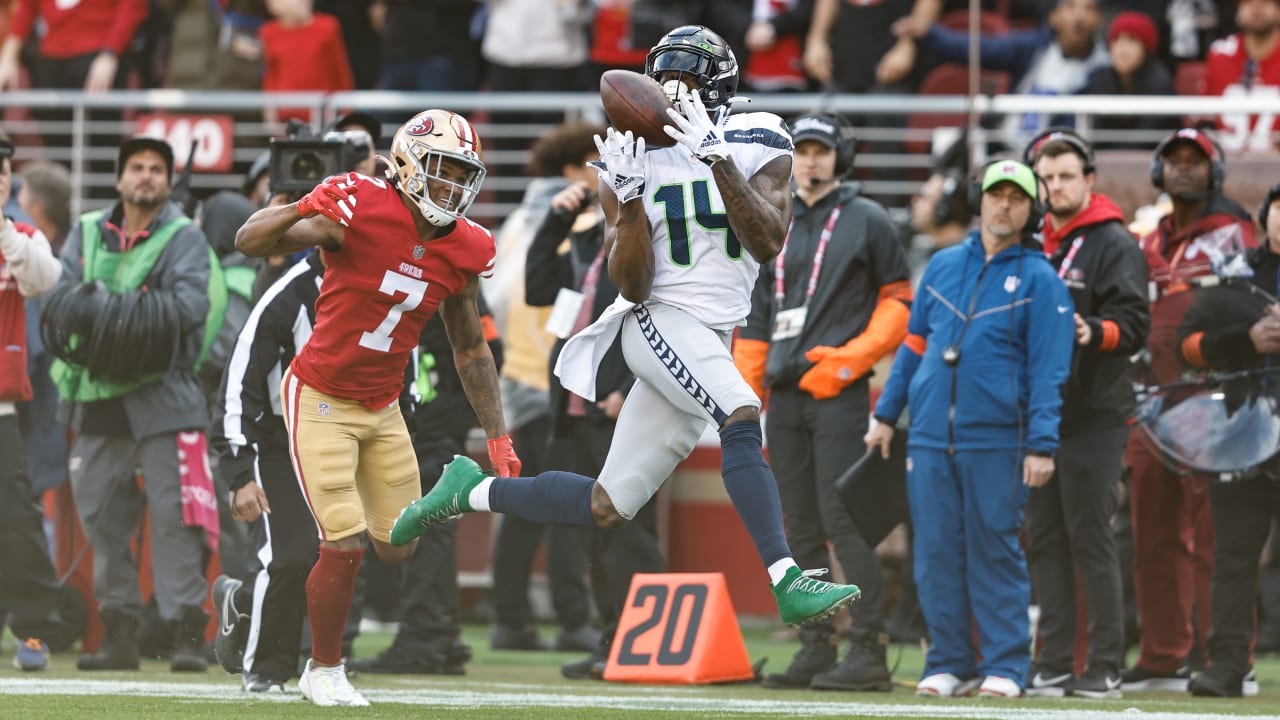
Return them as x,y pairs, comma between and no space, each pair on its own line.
529,685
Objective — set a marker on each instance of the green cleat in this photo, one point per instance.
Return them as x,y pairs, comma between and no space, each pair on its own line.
803,599
446,501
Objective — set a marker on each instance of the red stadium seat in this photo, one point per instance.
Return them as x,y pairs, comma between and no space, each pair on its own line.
951,79
1188,79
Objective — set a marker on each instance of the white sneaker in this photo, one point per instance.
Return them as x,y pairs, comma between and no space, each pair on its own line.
995,686
329,686
938,685
1249,687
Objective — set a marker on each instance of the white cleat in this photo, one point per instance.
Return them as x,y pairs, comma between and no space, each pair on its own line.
329,687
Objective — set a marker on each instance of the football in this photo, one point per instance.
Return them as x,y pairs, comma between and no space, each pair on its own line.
637,103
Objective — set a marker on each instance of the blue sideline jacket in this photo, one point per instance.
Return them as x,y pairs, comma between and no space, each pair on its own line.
1017,290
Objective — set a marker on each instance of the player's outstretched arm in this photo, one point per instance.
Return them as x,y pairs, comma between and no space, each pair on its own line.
474,360
317,219
760,208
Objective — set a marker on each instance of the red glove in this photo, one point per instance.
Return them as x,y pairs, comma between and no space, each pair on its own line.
331,198
503,456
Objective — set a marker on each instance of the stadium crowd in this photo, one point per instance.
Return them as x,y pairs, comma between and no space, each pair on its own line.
1030,481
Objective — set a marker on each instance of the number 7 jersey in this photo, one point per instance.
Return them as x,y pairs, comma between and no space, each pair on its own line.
378,292
700,266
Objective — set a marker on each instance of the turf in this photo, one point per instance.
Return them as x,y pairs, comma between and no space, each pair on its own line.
529,685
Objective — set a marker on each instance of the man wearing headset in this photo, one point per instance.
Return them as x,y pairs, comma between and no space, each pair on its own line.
823,312
1172,522
1069,518
1235,327
987,352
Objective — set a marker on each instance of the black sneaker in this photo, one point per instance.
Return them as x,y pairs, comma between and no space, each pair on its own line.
255,683
1044,682
1220,684
1097,683
509,637
395,660
233,625
1139,678
817,655
589,668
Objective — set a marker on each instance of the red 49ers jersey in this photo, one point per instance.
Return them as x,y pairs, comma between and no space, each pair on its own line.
378,292
1229,73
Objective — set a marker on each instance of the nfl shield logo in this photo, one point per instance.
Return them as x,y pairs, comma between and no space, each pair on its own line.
323,409
418,252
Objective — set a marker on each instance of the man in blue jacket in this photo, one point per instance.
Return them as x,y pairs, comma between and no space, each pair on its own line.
988,348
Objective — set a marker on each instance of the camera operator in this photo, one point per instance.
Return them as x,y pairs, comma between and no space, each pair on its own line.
1236,327
987,351
128,323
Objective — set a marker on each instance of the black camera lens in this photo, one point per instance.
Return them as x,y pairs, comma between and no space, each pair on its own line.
307,166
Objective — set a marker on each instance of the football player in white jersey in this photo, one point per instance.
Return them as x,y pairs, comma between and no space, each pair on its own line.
686,230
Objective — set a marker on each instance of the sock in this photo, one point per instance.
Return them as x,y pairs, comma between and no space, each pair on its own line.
478,498
778,570
552,498
329,589
753,490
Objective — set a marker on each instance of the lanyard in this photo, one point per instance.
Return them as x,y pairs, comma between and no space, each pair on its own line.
779,262
1071,255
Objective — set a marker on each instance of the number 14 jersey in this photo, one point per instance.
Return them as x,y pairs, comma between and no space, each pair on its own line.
700,266
378,292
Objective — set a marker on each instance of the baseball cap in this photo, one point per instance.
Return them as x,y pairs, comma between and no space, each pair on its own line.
815,127
135,145
1011,171
1193,136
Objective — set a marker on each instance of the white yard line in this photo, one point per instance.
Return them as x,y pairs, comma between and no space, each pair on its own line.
513,695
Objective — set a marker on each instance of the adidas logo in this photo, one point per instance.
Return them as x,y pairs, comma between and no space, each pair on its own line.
709,141
620,181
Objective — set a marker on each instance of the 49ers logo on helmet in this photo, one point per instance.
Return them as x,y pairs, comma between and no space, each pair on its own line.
422,127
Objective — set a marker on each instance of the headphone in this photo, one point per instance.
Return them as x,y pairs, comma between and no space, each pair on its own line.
1272,194
952,205
846,140
1038,208
1031,153
1217,160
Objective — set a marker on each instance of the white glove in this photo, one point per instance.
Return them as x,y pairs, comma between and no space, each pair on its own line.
621,164
694,129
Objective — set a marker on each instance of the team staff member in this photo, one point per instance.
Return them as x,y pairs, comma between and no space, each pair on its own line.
824,311
1069,518
988,349
1172,521
1233,328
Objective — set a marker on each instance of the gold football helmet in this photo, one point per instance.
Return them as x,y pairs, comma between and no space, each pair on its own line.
419,149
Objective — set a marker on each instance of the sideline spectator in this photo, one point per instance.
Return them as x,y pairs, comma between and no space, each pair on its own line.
1172,523
429,47
940,213
141,414
1135,69
1052,59
823,313
302,50
215,45
582,431
559,158
1069,518
984,390
1247,64
848,50
360,21
1236,327
776,41
29,589
81,45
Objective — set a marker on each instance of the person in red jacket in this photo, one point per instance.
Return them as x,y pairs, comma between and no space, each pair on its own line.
28,584
1172,522
303,51
1247,64
81,46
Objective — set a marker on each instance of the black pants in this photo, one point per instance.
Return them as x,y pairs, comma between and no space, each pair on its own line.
614,554
811,444
28,583
517,545
288,549
1242,512
1069,528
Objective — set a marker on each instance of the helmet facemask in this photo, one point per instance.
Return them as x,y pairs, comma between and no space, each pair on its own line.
701,55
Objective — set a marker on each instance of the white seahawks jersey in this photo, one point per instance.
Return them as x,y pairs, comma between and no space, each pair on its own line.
700,265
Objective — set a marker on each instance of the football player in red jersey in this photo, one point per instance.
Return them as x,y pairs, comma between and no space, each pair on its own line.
396,250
